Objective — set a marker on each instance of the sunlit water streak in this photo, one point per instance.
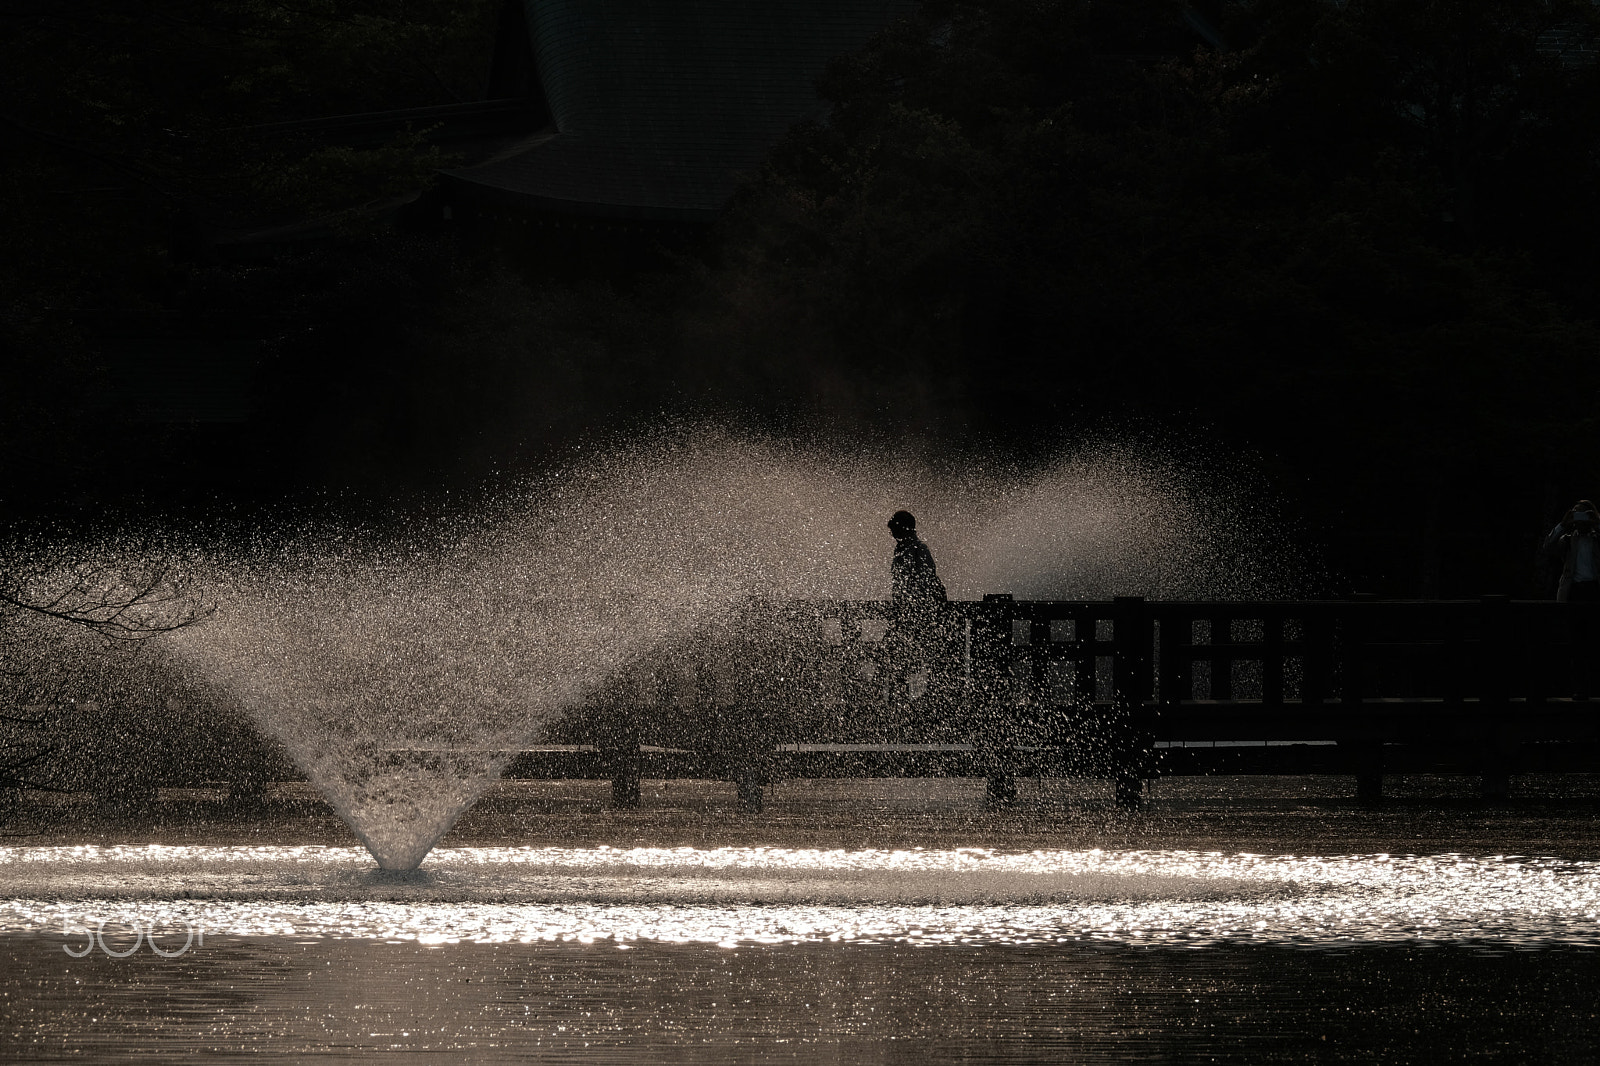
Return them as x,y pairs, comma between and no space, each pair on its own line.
735,896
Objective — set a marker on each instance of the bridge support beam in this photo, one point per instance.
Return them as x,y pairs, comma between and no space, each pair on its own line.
1129,792
1365,759
627,766
752,795
1495,784
1001,790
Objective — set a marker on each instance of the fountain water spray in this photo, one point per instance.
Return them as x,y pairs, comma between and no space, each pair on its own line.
403,679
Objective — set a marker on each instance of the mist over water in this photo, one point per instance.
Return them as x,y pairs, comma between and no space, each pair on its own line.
402,675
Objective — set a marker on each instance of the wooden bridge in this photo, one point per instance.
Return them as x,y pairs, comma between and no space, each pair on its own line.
1126,690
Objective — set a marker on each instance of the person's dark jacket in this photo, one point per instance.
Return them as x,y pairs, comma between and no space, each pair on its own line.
914,582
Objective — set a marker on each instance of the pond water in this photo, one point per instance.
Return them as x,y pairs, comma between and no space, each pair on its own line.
735,954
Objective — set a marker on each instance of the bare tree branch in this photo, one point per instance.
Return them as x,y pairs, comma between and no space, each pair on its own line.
116,600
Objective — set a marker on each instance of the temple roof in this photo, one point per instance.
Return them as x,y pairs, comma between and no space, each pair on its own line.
662,107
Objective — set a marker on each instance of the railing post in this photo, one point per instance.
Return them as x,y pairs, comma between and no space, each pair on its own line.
1272,660
1317,657
1130,683
1177,666
1495,728
1458,663
1364,746
1221,657
993,700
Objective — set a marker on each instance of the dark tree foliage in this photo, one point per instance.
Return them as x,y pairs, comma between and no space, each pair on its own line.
137,133
1358,239
1353,238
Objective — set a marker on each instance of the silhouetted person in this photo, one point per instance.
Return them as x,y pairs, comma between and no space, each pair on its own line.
914,584
1576,540
918,644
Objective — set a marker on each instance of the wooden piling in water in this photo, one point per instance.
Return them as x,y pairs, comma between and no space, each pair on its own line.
994,699
1497,743
626,769
1361,748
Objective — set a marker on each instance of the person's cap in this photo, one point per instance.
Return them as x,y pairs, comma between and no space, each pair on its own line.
902,520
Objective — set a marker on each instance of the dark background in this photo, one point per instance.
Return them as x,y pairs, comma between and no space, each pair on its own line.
1354,242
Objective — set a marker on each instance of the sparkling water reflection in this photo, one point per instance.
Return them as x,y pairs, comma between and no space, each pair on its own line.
733,896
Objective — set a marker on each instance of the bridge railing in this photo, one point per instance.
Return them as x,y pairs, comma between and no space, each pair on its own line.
1122,688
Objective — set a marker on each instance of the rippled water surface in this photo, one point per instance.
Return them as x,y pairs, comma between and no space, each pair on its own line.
772,954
